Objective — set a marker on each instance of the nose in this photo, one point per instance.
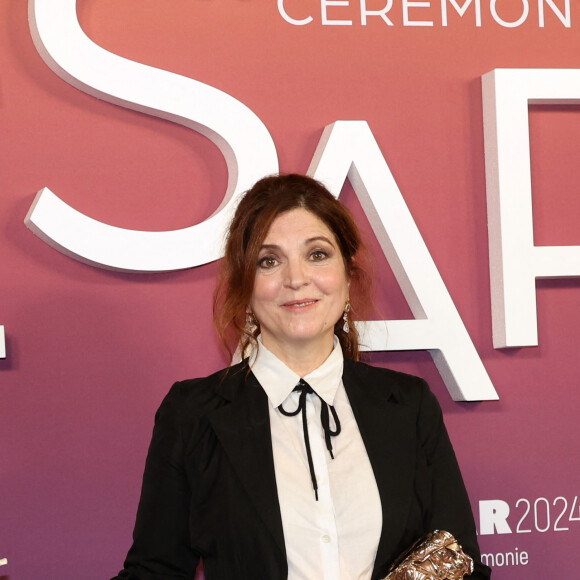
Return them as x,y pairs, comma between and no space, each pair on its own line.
296,274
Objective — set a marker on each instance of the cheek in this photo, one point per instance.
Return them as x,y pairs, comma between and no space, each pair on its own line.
265,289
336,284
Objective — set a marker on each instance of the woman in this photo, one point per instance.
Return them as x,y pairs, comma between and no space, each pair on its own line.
299,462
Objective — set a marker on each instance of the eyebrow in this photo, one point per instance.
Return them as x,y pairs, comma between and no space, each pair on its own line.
305,243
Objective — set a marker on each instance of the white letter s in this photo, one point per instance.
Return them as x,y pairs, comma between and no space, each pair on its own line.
241,136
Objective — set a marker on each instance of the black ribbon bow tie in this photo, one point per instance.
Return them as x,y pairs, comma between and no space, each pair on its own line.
305,389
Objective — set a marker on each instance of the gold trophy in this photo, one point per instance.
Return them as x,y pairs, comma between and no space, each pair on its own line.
436,556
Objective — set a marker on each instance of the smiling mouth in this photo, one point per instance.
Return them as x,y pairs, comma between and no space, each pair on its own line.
297,304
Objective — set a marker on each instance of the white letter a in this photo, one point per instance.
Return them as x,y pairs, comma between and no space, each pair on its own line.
349,149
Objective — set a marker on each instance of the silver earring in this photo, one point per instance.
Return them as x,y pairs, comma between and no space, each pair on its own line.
345,326
251,322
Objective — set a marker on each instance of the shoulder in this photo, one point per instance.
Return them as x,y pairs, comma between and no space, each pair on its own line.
409,394
185,410
201,395
394,385
221,384
381,373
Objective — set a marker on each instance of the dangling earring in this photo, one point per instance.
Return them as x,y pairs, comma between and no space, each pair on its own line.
251,321
345,326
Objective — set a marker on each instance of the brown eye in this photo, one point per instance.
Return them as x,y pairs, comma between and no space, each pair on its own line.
318,256
267,262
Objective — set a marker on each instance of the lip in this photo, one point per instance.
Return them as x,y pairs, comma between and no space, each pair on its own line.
302,304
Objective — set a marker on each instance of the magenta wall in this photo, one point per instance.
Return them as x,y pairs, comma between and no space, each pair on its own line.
90,353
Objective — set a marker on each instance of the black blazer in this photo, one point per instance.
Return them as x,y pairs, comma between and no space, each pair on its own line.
209,488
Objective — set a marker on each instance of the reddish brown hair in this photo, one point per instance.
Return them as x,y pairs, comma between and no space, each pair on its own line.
267,199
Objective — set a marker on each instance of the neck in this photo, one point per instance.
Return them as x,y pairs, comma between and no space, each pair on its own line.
301,358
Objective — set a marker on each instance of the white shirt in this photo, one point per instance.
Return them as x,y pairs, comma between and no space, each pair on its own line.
336,537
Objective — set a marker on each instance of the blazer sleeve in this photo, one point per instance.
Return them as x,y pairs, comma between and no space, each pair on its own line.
449,508
161,547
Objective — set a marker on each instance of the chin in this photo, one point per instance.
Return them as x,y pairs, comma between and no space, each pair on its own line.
309,335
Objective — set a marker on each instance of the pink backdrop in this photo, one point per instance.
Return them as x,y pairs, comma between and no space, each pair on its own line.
91,353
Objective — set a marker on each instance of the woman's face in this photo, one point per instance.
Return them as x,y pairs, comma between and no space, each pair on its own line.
301,286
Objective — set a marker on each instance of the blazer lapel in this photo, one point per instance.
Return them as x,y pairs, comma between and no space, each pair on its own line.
243,428
389,438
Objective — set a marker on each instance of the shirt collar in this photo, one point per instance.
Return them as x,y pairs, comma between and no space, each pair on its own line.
278,380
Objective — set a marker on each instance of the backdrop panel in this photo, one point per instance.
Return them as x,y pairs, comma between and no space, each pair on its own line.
91,352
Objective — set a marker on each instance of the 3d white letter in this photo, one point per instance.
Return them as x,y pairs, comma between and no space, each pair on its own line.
504,23
324,10
565,19
349,149
382,12
411,4
2,343
242,138
291,20
493,515
515,262
461,10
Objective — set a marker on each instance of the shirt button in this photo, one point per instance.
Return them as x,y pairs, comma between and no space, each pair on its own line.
325,538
